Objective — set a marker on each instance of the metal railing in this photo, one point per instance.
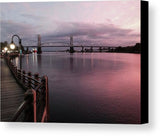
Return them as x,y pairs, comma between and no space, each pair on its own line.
35,104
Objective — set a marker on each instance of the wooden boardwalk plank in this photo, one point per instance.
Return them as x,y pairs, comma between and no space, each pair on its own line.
12,95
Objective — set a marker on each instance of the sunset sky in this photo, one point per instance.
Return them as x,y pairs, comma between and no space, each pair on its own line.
115,23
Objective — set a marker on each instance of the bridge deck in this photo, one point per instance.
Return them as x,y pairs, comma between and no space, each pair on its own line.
12,95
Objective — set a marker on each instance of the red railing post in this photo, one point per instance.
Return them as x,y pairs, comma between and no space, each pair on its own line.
47,98
45,116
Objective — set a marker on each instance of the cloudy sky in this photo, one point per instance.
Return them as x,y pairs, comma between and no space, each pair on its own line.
111,23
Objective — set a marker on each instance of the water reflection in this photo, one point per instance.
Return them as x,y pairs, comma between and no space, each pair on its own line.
39,60
27,58
71,62
90,87
34,58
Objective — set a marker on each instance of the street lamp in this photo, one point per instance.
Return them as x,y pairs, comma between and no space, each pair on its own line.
12,46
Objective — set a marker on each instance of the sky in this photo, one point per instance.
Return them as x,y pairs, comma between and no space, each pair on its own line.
111,23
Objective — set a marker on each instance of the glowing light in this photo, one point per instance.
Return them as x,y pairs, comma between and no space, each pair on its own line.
12,46
5,48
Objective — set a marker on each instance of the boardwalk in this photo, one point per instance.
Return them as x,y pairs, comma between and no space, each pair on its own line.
12,95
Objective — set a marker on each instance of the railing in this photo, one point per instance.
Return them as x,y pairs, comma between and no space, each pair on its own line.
35,104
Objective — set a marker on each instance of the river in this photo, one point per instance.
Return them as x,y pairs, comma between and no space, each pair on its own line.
90,87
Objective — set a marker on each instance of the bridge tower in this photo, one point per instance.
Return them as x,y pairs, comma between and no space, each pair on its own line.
39,51
82,48
71,45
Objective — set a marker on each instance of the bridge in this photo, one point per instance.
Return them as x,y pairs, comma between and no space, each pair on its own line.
71,47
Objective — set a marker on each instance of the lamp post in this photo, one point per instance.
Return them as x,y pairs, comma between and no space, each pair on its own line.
12,46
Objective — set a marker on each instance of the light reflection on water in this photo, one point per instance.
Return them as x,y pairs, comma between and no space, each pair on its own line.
90,87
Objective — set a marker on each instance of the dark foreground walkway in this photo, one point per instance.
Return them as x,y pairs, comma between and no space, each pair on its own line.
12,95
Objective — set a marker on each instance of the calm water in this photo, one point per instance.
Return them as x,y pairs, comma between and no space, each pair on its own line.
90,87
